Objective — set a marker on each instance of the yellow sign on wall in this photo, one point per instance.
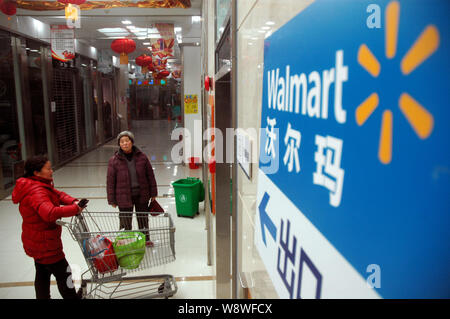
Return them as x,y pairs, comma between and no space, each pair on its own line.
191,104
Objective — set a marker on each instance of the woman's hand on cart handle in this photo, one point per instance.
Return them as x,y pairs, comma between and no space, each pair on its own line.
114,205
60,222
153,199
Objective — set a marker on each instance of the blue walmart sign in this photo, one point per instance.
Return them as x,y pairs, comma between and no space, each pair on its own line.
356,135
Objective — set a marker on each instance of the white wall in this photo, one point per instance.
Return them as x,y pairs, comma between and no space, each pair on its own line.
192,85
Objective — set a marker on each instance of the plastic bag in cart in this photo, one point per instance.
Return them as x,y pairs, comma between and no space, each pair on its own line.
130,249
101,251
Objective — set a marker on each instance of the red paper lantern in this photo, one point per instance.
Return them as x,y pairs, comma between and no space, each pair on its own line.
77,2
123,47
8,7
144,61
164,73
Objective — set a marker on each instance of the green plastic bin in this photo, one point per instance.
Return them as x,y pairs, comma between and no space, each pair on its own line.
200,188
130,249
187,196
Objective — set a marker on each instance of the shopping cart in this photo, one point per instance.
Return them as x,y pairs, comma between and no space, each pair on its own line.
112,254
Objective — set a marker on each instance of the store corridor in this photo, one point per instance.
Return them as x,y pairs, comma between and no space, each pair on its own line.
85,177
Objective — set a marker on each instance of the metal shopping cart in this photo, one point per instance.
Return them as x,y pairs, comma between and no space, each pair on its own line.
112,254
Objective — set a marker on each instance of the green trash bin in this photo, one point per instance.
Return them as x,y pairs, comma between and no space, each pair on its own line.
187,196
200,188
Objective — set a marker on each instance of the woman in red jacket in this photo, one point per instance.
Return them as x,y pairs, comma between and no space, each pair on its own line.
130,182
39,205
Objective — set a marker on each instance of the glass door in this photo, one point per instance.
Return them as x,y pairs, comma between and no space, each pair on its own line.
10,151
34,60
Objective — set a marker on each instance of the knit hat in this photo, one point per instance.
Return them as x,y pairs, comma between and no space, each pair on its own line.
125,133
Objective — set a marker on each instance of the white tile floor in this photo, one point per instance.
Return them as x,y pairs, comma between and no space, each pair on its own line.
86,177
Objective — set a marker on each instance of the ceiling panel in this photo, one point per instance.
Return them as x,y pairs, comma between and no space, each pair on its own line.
93,20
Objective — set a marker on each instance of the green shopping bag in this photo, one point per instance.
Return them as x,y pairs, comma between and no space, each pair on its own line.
130,249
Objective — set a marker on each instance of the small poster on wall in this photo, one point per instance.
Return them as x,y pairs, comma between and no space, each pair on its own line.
191,104
63,43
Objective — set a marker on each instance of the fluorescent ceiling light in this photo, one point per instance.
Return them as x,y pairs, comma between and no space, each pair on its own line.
112,30
126,22
270,23
266,28
120,34
146,43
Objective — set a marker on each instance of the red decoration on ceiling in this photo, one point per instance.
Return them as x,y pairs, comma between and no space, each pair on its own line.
8,7
123,47
77,2
164,73
144,61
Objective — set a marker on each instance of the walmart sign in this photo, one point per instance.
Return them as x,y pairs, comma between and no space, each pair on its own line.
354,171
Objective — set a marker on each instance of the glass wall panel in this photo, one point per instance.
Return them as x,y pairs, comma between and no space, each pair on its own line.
36,97
10,152
107,107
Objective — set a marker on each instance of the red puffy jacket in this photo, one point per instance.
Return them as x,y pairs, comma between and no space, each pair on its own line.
40,208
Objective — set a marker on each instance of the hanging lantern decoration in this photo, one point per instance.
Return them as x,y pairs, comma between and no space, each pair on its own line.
159,64
144,61
72,11
123,47
176,74
8,7
164,73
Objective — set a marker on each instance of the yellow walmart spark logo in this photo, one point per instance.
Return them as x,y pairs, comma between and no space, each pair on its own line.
418,117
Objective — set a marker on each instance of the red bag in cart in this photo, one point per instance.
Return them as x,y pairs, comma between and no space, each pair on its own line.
101,251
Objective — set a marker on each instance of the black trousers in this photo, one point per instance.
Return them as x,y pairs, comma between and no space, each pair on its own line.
126,219
61,272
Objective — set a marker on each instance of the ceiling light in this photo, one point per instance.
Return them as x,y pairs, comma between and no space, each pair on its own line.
126,22
114,35
146,43
107,30
265,28
270,23
196,19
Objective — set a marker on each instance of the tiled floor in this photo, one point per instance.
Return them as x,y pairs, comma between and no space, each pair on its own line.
86,177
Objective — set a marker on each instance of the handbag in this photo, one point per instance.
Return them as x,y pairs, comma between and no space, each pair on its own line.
100,251
154,207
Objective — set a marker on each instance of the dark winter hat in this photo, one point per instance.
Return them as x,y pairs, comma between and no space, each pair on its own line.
125,133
